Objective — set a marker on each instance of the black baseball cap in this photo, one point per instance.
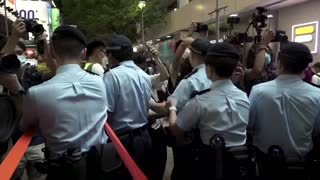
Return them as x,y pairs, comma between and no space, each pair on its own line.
296,52
223,50
200,46
70,31
119,43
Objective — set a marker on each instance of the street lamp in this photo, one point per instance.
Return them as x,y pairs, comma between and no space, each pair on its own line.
141,5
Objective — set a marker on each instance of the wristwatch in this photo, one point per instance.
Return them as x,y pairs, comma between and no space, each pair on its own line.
19,92
173,108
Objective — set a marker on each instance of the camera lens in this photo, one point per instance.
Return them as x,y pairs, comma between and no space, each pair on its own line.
9,64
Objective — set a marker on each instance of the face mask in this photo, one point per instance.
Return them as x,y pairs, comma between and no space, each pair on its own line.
267,58
186,54
22,59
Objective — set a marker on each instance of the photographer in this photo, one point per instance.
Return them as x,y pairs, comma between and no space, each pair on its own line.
260,62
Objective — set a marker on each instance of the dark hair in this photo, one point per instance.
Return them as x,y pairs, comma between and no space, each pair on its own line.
67,47
121,56
94,45
139,58
292,65
223,66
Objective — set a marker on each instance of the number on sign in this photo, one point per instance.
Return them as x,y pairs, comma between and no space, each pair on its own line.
27,14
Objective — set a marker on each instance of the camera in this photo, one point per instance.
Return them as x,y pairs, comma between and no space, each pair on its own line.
33,27
37,30
9,64
280,36
201,27
259,18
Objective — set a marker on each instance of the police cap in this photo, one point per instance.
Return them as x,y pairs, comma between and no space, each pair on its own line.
119,43
70,31
296,52
200,46
223,50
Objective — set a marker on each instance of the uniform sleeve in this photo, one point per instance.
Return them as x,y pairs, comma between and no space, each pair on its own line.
29,118
112,90
182,94
253,106
98,69
189,116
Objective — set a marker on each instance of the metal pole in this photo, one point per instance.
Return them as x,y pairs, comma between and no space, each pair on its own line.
6,18
217,21
142,26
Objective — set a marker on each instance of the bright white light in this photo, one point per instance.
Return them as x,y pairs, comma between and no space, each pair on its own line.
168,36
303,38
135,49
158,40
54,5
233,15
213,41
316,24
269,16
175,9
142,4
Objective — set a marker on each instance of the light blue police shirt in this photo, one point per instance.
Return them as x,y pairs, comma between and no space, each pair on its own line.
70,109
128,95
224,110
195,83
285,112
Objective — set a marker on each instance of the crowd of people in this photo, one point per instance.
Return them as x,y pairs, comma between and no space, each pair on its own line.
206,105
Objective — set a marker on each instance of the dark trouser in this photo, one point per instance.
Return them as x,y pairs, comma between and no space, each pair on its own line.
273,169
139,145
159,155
81,168
184,163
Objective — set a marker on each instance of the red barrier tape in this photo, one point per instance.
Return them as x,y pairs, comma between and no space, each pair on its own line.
134,170
8,166
12,160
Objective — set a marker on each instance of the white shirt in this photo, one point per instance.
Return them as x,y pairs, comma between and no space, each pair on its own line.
224,110
285,112
316,79
98,69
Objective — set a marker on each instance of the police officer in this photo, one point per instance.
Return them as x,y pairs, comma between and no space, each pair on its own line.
69,109
197,79
223,109
128,94
285,112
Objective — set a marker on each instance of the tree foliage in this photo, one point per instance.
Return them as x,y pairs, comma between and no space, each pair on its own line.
101,18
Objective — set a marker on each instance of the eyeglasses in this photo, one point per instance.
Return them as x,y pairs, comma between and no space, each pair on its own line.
19,52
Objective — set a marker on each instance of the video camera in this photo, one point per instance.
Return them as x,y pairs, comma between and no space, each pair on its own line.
201,27
259,19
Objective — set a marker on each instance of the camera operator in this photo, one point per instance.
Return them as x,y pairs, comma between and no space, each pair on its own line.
260,62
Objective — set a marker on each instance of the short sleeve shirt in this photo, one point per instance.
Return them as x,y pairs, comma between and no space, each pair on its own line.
224,110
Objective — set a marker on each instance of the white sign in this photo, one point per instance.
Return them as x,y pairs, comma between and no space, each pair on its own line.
34,10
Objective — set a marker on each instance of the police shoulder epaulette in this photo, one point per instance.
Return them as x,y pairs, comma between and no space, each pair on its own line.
190,74
196,93
112,67
312,84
